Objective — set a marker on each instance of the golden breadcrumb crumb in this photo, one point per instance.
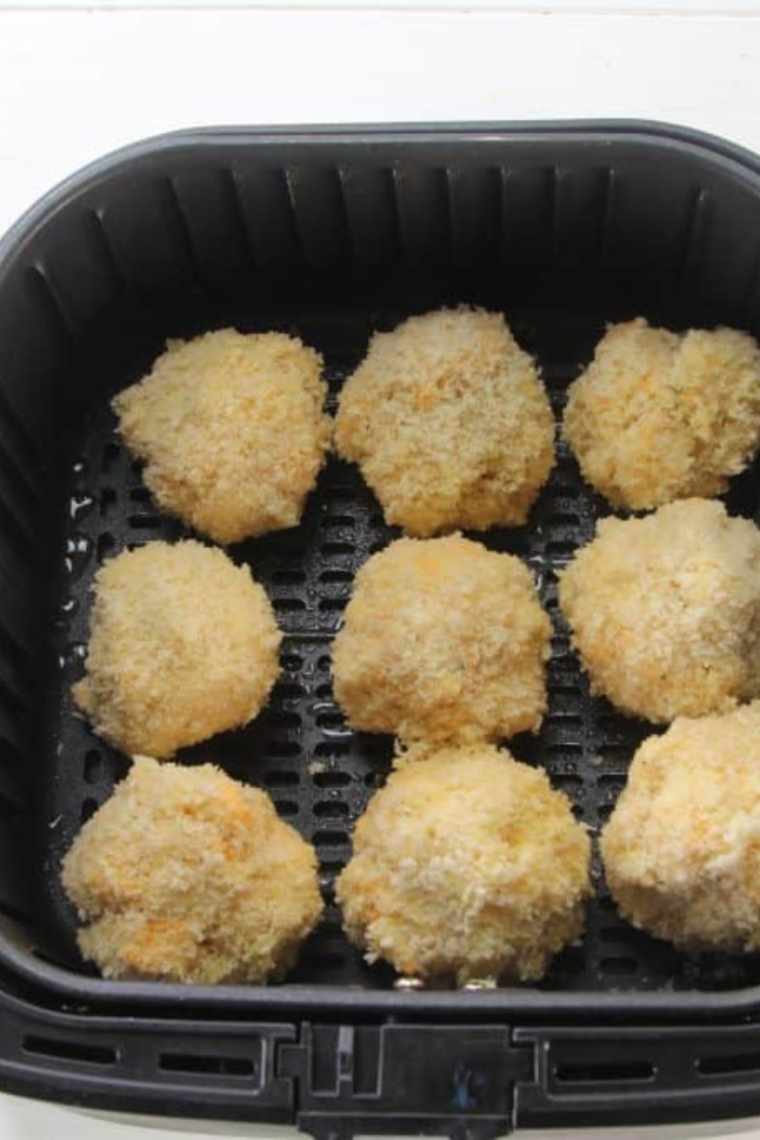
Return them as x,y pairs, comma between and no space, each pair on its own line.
443,640
231,429
185,875
665,610
449,422
183,644
682,848
467,865
658,416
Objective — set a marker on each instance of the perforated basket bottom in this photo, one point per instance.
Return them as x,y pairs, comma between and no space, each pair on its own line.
319,773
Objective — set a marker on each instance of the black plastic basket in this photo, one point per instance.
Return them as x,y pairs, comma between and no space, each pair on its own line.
332,233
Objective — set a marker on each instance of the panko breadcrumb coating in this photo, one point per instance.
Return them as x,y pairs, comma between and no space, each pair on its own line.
231,429
659,416
185,875
449,422
443,640
665,610
467,865
681,849
183,644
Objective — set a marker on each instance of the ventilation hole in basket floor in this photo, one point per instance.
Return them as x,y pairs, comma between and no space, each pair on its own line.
280,749
104,547
89,807
286,807
604,811
618,967
140,495
615,751
332,605
563,719
289,605
612,781
332,779
106,501
563,751
587,1071
720,1065
330,809
324,663
330,837
567,782
93,767
287,691
564,666
69,1050
291,662
281,779
324,692
330,868
563,689
220,1066
335,549
560,550
336,577
331,720
288,578
332,749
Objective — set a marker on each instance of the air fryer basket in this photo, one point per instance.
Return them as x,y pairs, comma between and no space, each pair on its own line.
332,233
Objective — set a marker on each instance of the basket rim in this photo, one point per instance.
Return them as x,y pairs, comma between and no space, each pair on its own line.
298,999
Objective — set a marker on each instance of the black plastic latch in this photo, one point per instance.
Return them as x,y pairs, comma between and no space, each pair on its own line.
455,1080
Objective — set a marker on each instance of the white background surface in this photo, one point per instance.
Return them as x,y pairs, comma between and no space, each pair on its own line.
77,80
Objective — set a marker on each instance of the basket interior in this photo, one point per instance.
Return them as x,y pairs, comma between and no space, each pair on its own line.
330,251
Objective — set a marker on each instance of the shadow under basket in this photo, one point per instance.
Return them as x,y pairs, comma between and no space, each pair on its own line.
332,234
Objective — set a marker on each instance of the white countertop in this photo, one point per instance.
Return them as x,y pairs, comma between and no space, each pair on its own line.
78,79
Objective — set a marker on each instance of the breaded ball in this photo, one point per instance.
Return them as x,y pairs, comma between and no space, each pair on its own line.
185,875
183,644
449,422
443,640
681,849
659,416
665,610
231,429
467,865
